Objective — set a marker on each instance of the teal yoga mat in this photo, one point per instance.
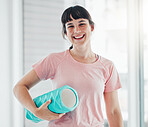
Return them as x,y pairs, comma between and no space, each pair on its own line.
56,106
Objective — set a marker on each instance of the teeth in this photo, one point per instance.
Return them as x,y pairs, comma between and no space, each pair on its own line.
79,37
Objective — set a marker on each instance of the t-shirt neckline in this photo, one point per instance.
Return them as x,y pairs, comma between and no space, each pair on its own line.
75,61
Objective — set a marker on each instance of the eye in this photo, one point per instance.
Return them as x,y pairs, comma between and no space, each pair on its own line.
82,24
70,26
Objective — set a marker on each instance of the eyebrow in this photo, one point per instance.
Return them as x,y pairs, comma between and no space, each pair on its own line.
79,22
82,21
69,24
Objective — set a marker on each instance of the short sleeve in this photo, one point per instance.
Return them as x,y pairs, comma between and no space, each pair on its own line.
45,68
113,81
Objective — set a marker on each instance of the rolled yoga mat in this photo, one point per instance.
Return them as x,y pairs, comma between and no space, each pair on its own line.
63,100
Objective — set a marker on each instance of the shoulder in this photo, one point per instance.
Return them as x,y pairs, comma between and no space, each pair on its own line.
106,63
108,66
57,57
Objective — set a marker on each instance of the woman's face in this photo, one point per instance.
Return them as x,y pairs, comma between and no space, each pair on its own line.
79,31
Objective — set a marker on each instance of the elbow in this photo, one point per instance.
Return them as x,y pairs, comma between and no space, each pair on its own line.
19,87
115,118
15,89
114,113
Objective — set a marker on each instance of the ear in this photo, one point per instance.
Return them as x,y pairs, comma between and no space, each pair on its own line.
92,27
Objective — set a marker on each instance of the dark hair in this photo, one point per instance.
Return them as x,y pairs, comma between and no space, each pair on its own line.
76,12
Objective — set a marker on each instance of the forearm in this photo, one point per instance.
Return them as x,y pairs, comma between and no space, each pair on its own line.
115,119
22,94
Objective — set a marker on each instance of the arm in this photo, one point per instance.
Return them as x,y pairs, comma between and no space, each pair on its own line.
21,92
112,109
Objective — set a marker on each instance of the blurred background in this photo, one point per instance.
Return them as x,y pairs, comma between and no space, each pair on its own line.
31,29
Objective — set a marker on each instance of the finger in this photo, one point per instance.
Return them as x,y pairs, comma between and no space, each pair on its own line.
46,103
57,115
61,115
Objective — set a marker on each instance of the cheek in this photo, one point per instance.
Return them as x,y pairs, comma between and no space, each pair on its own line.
69,32
83,28
86,29
69,35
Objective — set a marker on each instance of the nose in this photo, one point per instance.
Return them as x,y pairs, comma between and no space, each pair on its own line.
77,29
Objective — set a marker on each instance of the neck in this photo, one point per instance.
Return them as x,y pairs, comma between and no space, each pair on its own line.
82,52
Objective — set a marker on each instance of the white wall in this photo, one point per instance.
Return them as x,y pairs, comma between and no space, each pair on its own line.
5,63
10,37
11,54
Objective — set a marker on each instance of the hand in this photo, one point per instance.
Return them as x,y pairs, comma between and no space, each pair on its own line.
44,113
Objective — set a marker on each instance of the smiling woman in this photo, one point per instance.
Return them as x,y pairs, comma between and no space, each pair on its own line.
91,75
74,13
76,26
78,30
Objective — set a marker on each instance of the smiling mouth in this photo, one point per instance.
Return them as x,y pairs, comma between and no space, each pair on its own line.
79,37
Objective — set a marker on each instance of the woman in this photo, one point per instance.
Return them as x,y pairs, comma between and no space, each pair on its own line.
91,75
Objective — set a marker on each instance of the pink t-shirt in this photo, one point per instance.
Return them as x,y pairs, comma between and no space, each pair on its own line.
89,80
